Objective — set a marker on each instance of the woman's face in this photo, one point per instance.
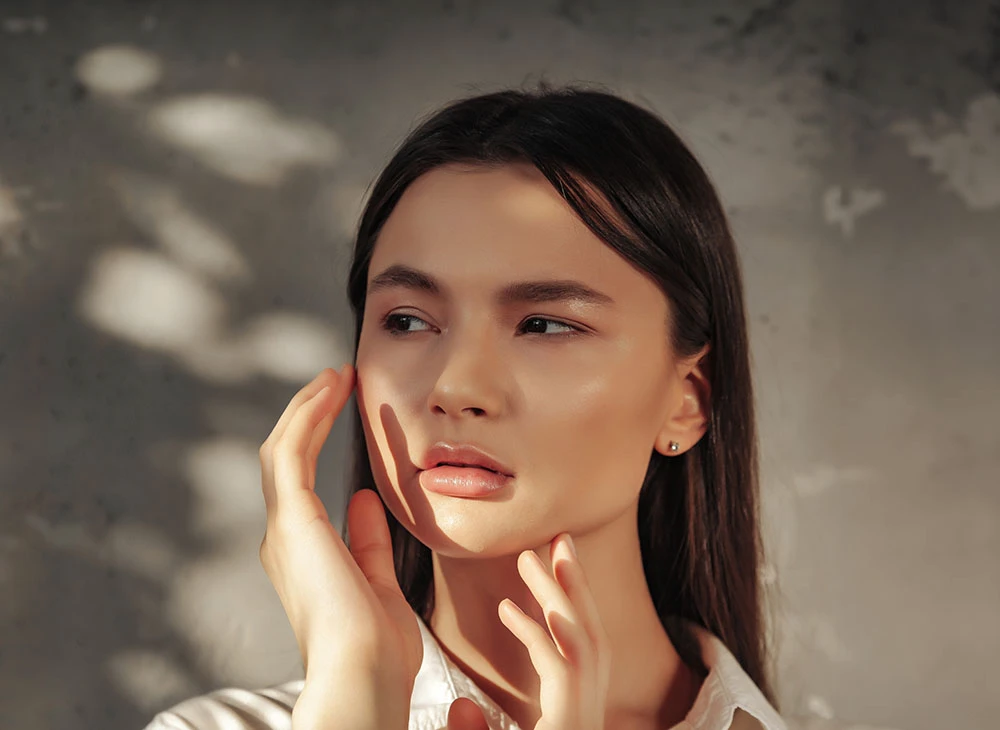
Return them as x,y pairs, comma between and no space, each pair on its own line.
571,394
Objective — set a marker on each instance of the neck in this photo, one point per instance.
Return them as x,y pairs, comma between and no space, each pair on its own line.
650,686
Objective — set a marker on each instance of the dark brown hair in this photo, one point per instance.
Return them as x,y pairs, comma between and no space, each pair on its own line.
635,184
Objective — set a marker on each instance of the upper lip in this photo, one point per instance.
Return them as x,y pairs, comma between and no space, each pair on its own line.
444,452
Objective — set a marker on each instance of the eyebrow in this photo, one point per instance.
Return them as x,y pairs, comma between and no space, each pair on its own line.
532,292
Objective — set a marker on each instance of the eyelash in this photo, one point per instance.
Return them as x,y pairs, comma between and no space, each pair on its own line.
396,333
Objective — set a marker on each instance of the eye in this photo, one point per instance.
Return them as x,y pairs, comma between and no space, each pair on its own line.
399,324
544,320
402,320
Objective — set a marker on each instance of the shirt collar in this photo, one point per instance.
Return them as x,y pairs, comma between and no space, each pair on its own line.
727,687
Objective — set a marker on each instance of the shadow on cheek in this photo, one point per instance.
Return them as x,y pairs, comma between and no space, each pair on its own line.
402,493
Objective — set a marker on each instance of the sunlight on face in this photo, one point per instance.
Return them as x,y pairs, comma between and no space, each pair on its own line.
569,394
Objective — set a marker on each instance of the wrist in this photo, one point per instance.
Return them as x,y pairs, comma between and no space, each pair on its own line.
350,702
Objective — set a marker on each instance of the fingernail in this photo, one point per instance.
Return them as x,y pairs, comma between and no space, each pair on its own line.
569,543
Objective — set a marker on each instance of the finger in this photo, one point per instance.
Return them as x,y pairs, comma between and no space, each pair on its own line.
325,377
568,634
571,577
292,492
341,392
266,448
465,714
370,541
544,655
319,436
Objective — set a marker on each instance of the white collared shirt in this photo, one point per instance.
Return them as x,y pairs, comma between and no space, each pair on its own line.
728,698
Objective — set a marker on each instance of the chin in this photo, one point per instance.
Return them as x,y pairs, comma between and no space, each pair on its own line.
460,528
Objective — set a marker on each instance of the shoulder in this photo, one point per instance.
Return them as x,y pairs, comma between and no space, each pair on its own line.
233,709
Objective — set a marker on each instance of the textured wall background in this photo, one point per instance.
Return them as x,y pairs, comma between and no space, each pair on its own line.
178,187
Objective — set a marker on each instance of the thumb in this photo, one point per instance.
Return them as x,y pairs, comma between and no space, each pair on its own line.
371,544
465,714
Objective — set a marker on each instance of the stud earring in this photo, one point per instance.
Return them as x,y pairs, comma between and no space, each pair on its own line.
674,447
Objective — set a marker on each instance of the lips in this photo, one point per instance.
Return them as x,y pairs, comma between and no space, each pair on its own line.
459,463
463,455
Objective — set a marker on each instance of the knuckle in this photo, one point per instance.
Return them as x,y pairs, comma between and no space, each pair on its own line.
279,446
279,459
283,450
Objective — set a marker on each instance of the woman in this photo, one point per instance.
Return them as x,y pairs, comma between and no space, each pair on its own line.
553,517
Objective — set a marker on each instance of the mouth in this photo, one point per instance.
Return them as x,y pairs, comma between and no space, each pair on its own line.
463,480
469,466
463,456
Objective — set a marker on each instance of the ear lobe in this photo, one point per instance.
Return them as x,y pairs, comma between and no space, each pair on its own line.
688,420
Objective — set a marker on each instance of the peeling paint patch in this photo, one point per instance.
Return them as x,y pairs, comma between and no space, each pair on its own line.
158,210
965,153
843,208
119,70
244,138
150,301
271,336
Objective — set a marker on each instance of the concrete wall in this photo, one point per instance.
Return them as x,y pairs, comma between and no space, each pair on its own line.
178,185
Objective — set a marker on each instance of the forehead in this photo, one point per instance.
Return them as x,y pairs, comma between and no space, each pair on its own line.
492,225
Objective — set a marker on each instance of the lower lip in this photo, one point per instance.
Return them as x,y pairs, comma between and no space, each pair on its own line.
462,481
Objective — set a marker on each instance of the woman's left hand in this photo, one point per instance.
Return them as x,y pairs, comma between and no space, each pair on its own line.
572,658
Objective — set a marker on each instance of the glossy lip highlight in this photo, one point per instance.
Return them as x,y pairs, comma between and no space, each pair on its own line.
444,452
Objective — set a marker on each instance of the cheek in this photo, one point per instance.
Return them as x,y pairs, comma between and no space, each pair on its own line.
383,434
386,445
596,432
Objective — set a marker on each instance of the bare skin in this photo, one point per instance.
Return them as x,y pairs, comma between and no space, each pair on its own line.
360,640
572,396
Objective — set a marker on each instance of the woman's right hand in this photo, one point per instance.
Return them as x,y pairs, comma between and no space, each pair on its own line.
357,634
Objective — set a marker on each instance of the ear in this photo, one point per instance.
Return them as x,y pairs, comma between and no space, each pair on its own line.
689,408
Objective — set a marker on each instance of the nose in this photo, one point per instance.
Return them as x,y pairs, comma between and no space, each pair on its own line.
471,380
